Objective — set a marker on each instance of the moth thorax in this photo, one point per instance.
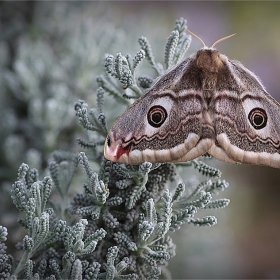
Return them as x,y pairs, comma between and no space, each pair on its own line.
208,81
209,60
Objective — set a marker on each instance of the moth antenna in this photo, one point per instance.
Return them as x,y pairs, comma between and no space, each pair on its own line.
196,37
222,39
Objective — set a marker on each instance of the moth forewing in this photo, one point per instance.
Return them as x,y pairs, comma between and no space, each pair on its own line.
207,103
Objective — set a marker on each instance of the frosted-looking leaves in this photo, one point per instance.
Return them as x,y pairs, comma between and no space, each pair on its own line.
74,238
118,222
3,234
116,270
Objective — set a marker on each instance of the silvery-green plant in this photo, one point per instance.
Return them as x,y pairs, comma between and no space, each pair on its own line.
53,60
118,227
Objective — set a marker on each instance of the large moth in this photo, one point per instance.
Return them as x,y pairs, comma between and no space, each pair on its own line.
205,104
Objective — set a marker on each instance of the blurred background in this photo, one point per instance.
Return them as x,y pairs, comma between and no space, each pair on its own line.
50,55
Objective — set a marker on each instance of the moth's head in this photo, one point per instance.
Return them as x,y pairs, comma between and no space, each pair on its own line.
208,59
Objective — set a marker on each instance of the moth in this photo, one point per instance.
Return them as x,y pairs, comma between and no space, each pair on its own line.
205,104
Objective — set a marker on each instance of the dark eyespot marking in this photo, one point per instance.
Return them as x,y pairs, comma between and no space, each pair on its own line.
108,141
157,116
258,118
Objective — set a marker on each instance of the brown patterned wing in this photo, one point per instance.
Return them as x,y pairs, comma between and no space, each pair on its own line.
247,121
164,125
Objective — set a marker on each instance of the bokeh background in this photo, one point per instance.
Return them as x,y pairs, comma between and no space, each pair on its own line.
50,55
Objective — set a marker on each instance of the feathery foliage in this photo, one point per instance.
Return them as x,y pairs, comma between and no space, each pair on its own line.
118,226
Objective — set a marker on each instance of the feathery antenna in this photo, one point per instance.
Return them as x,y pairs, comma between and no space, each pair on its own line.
222,39
196,37
218,41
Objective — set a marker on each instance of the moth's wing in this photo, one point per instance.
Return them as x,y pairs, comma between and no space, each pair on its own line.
237,140
133,140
